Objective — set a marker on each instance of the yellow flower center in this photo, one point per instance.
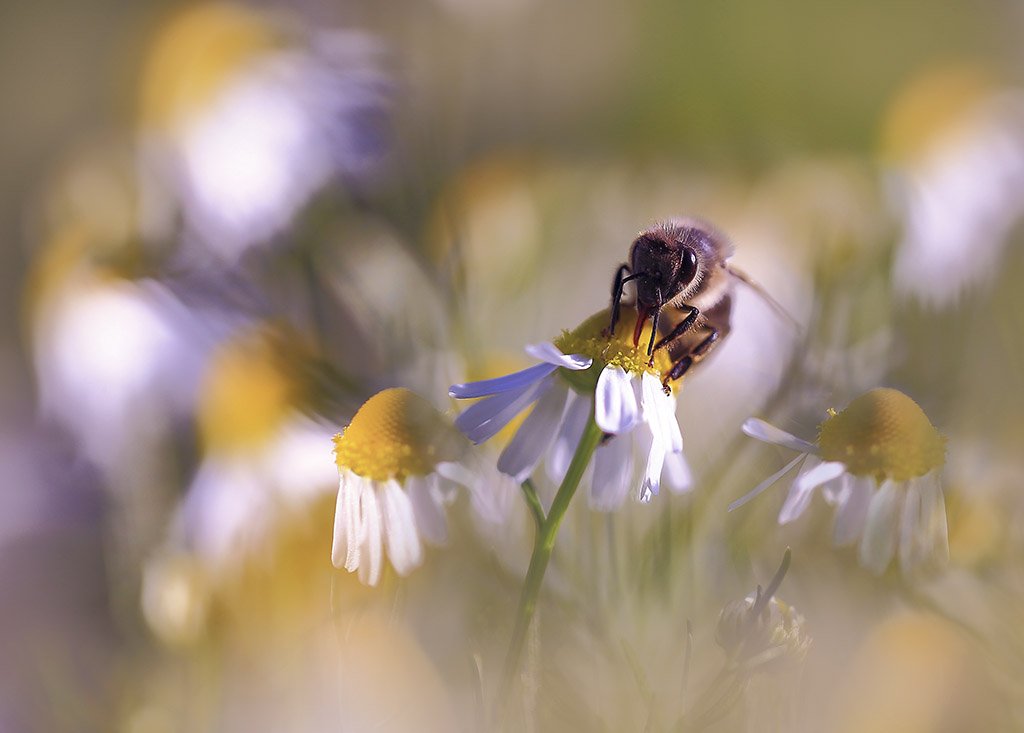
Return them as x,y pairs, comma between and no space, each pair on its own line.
590,339
395,434
885,434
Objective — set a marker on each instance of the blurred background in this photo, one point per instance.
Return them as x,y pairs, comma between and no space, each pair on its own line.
225,225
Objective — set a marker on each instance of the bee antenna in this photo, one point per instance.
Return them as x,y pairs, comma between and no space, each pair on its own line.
765,296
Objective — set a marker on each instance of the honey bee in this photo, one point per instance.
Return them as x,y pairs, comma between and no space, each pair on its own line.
684,282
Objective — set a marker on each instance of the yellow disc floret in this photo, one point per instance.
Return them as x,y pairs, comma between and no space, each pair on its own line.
396,434
885,434
591,339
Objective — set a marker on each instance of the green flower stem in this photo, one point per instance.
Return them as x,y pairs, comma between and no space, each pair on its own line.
543,544
533,502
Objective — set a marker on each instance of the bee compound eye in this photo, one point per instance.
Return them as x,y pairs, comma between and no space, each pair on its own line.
688,267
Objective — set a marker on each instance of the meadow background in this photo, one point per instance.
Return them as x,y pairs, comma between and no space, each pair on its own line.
225,226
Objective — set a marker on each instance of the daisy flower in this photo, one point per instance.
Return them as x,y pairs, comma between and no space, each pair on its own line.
397,462
585,372
878,461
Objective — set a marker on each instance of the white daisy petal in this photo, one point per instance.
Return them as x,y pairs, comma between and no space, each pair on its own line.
524,451
456,473
767,483
909,552
560,456
613,474
510,382
346,524
399,525
879,539
853,509
933,517
615,406
369,564
482,421
425,496
666,407
677,473
768,433
804,486
652,473
550,354
650,393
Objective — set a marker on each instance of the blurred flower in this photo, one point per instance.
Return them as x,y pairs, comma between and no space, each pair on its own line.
956,148
398,461
584,371
115,359
243,122
761,629
879,462
175,598
263,460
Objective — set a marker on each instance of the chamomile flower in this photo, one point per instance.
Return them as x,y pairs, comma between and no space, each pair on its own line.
397,460
585,372
878,461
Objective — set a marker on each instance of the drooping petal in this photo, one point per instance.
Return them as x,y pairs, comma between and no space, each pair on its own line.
369,563
767,483
613,474
427,507
550,354
345,547
651,482
768,433
655,414
516,382
575,420
615,407
878,542
524,451
482,420
923,533
399,525
909,550
805,484
854,500
933,516
677,473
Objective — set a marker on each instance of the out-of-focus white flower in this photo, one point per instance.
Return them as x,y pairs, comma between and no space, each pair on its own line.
275,118
878,461
399,462
962,193
584,373
237,496
114,359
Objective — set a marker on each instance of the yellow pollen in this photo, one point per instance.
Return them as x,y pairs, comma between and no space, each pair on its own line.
396,434
590,339
885,434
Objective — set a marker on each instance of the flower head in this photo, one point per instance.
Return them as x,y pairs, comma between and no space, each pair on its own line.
878,461
585,372
762,629
392,459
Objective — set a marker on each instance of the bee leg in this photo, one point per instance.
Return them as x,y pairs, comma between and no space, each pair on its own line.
654,332
682,327
680,367
617,285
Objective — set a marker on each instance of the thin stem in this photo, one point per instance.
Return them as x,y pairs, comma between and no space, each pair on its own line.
544,543
533,501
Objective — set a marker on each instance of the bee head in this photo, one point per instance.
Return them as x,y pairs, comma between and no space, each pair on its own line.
663,266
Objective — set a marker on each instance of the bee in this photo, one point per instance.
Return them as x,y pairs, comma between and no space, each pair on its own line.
683,281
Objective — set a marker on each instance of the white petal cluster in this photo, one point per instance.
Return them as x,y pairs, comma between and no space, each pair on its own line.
633,409
907,518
